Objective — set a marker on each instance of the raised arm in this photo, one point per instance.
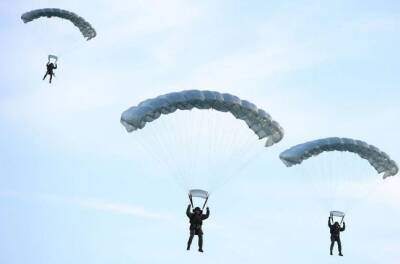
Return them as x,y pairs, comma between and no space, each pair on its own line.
205,216
188,211
329,222
55,66
343,228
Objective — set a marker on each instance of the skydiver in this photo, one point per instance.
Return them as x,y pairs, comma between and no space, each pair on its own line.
50,67
196,221
335,230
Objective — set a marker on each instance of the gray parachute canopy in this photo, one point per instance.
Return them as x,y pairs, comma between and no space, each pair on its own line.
258,120
378,159
86,29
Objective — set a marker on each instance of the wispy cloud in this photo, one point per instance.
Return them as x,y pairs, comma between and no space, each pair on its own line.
120,208
91,204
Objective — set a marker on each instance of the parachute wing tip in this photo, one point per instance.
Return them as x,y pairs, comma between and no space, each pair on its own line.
129,128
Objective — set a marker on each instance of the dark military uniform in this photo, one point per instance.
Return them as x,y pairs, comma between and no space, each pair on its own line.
335,230
50,67
196,221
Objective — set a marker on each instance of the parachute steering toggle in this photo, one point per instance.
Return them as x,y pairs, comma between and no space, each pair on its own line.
199,194
338,214
52,57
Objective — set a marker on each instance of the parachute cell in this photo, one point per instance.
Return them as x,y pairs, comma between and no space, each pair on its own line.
378,159
257,119
86,29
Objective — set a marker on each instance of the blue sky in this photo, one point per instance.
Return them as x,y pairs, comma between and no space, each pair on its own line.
75,189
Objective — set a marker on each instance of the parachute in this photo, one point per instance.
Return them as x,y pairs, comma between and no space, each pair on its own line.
205,145
378,159
86,29
338,176
257,119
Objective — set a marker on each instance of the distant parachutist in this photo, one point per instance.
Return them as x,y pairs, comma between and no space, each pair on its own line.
50,66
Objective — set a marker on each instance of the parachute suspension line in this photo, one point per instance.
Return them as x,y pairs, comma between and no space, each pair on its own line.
182,139
318,178
191,200
215,135
205,202
178,137
188,138
167,155
214,138
242,155
238,172
328,170
32,31
242,146
210,141
307,177
161,161
362,175
156,147
203,142
192,143
218,139
339,181
233,142
356,203
76,45
343,159
219,125
336,178
209,122
200,135
243,150
327,177
170,153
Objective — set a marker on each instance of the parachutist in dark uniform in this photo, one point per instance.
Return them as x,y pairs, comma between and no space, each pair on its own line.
196,221
50,67
335,230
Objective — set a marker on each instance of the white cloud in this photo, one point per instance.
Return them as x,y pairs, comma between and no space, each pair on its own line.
91,204
119,208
